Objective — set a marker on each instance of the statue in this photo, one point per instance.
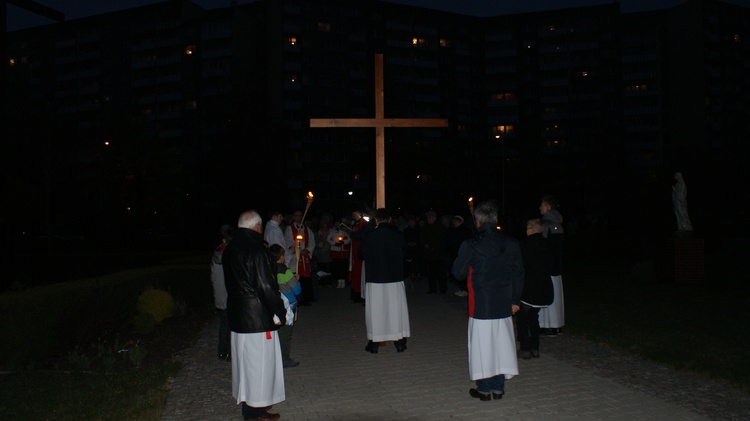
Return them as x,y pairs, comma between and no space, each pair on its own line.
679,202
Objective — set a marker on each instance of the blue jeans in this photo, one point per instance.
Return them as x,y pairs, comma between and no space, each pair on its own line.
494,384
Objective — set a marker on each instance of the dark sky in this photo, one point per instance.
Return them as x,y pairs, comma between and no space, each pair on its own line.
19,19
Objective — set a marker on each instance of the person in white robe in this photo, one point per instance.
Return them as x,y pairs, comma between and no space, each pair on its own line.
386,311
255,311
492,265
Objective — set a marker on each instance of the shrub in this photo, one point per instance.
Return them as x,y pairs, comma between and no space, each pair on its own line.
156,302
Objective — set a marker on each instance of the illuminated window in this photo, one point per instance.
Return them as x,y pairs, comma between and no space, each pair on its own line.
504,96
190,49
637,88
418,41
324,26
292,40
737,38
191,105
12,61
293,78
444,42
551,27
584,73
500,130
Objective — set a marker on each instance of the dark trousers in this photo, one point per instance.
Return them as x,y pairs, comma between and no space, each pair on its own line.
250,412
308,291
285,341
495,384
527,323
340,269
224,340
435,271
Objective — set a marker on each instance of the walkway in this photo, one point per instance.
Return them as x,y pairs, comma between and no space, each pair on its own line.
338,380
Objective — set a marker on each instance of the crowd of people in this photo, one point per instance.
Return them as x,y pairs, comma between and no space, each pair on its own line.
262,274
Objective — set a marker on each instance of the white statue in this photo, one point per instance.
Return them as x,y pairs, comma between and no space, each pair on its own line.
679,202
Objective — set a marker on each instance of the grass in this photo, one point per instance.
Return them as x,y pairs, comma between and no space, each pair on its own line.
700,328
609,298
60,360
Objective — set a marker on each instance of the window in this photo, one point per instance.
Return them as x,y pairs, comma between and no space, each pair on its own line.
324,26
418,41
12,61
292,40
501,130
189,50
444,42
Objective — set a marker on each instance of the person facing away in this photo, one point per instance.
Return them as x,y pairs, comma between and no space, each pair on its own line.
552,318
537,287
289,286
220,292
491,264
359,226
302,268
433,240
386,311
255,311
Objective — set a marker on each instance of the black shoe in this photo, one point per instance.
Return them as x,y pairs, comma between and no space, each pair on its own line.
497,396
290,363
548,333
371,347
400,345
481,396
525,355
227,357
535,353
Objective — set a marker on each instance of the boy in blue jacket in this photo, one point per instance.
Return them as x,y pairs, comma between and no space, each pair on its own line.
291,288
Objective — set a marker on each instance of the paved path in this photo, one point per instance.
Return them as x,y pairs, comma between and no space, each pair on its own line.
338,380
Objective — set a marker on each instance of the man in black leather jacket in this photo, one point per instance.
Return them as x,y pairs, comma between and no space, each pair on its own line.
255,311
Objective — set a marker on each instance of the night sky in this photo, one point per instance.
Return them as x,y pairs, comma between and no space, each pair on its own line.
73,9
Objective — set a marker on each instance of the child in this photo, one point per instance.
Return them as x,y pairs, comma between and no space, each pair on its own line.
289,286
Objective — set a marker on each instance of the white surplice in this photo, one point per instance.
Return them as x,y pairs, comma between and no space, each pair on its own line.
257,370
386,311
492,348
553,316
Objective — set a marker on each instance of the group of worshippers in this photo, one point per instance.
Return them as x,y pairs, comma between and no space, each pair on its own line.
506,277
491,262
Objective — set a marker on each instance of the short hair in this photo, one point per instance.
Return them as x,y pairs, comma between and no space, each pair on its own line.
486,213
431,213
382,215
535,224
551,201
250,219
276,250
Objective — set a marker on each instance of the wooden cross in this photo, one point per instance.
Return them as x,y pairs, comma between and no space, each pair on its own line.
379,123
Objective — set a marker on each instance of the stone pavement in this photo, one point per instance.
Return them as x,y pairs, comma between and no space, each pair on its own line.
338,380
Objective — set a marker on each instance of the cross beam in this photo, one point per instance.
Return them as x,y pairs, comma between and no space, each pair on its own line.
379,123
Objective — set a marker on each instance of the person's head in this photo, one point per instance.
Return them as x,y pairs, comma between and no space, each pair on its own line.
431,217
446,221
412,221
278,252
277,216
457,221
534,226
382,215
251,220
357,215
297,216
486,213
226,233
548,203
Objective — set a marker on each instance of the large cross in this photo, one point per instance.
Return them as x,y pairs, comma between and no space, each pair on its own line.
379,123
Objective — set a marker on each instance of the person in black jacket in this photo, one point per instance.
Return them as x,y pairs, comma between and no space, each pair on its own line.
537,287
255,311
386,312
491,263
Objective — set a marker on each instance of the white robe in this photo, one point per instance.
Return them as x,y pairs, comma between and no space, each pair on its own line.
492,348
257,371
386,312
553,317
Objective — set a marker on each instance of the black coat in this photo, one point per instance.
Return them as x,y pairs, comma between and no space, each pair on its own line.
383,250
537,265
491,263
253,296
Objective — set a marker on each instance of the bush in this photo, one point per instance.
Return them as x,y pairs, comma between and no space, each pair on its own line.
156,302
